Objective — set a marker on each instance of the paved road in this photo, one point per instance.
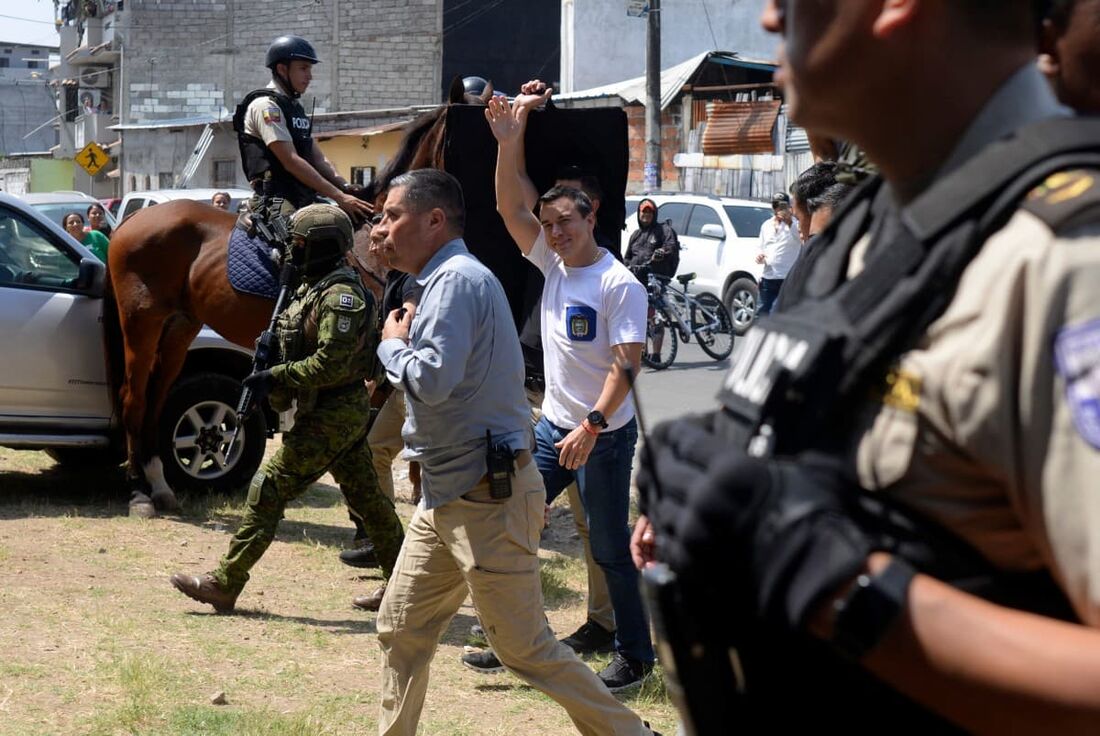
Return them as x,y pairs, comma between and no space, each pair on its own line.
689,385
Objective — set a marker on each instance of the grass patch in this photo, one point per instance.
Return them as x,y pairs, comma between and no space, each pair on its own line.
210,720
559,574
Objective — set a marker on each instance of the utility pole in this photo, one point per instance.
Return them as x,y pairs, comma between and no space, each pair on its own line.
653,97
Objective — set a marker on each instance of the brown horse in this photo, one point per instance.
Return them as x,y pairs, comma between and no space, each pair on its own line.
167,269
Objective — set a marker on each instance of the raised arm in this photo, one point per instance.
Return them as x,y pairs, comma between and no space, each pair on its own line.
533,95
507,128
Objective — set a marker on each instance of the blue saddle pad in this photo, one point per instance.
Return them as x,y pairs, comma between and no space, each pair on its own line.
251,270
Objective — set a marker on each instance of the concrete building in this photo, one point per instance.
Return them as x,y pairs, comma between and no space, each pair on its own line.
29,106
178,67
601,44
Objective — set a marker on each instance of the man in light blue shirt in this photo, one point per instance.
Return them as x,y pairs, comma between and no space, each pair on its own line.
457,356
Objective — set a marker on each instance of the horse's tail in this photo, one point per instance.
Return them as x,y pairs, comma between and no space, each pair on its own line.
112,341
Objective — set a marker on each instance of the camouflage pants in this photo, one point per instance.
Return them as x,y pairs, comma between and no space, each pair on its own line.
331,437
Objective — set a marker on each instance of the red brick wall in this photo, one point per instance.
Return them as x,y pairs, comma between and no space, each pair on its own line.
670,146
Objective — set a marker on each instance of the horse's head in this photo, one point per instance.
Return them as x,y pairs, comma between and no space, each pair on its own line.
422,146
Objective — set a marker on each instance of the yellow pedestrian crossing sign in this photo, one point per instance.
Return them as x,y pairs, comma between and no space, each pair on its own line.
92,158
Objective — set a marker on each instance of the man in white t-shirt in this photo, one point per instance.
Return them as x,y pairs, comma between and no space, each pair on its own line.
593,324
778,250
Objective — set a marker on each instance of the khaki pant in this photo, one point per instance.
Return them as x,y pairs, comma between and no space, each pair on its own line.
385,440
489,550
599,599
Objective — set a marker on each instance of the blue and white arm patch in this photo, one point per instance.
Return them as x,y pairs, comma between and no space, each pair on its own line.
1077,357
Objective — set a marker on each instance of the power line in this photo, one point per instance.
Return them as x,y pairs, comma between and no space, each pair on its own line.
27,20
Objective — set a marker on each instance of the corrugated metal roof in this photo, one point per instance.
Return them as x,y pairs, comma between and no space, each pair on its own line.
191,122
740,127
362,132
673,79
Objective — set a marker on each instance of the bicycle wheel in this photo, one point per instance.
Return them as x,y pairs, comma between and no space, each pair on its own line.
661,342
712,326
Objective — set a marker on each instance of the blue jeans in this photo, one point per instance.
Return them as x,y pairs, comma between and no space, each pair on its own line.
769,291
604,484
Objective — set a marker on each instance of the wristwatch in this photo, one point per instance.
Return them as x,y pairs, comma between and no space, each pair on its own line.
596,419
864,615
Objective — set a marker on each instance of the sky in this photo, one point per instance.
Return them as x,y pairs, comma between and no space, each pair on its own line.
37,28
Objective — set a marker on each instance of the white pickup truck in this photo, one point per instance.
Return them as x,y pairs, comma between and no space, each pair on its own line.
55,392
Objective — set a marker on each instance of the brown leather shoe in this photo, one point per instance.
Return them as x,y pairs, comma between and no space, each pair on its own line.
204,589
371,601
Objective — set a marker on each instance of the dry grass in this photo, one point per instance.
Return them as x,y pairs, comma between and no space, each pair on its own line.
95,641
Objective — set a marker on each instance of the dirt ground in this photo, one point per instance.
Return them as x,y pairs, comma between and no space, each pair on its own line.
94,640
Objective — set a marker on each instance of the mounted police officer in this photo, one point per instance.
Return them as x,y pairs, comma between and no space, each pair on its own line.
327,338
284,167
893,517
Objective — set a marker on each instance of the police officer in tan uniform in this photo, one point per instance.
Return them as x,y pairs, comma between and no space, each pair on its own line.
275,137
975,442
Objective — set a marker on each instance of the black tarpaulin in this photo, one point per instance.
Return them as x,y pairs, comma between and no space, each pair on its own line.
593,139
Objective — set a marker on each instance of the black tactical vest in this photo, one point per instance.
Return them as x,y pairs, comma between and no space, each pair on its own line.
797,374
257,159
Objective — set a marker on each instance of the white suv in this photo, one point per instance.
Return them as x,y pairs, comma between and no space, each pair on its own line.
55,393
718,243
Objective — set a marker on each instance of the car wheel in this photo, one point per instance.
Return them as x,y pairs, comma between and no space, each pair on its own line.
197,423
87,457
742,297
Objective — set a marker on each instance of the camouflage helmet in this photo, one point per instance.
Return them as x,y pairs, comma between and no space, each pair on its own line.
326,235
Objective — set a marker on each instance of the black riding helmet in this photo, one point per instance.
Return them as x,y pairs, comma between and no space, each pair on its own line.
474,85
289,48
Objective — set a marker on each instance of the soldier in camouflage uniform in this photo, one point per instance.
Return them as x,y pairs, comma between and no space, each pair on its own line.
327,339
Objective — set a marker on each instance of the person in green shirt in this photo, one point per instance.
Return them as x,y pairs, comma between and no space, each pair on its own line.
93,240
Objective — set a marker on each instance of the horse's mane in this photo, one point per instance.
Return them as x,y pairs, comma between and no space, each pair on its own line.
414,134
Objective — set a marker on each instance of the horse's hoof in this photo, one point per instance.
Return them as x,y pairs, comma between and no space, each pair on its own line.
165,500
141,507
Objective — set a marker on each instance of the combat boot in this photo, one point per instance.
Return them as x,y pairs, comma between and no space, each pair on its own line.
205,589
361,556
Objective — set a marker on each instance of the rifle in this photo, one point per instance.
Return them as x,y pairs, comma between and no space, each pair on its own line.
265,349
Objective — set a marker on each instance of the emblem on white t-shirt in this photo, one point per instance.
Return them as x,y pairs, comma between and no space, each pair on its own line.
580,323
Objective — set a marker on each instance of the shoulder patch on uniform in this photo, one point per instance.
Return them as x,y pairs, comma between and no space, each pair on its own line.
1077,357
343,323
273,115
1066,199
347,301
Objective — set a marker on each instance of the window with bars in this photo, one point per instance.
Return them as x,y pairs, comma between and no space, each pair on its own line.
361,176
225,172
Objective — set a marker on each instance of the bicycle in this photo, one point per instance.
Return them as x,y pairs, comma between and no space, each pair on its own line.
677,315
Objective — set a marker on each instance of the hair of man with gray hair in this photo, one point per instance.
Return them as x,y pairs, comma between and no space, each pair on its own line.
813,182
428,189
830,198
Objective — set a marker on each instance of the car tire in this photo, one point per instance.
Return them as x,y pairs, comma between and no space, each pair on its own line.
195,427
86,458
742,299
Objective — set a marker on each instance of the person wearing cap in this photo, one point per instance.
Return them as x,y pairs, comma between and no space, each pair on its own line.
275,138
654,247
327,337
778,250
